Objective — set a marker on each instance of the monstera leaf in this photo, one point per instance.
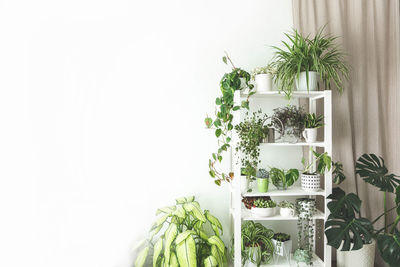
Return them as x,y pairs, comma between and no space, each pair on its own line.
337,173
389,248
373,171
342,226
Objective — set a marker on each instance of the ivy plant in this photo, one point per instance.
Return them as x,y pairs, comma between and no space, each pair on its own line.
179,238
223,121
305,208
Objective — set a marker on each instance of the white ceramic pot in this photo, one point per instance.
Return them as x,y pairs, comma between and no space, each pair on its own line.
263,82
364,257
282,248
263,212
301,83
310,182
306,205
310,135
287,212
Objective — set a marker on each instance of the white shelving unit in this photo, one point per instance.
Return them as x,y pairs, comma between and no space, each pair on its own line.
240,214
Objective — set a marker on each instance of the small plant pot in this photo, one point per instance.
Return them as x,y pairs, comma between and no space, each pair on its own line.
305,206
262,184
310,182
310,135
263,82
301,83
364,257
302,255
282,248
287,212
280,186
263,212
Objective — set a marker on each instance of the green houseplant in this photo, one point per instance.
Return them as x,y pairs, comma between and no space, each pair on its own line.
256,243
282,244
348,231
303,59
283,179
263,208
312,122
305,209
262,180
251,131
179,238
310,179
236,80
263,78
286,209
289,122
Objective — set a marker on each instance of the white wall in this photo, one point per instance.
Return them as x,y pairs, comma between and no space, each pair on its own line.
101,112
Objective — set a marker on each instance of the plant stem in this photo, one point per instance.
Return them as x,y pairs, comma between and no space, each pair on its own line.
385,209
227,56
383,214
395,223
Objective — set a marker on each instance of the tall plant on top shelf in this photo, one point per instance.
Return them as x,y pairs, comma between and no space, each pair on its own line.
306,58
236,80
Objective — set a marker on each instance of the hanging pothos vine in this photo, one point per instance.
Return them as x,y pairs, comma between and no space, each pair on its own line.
236,80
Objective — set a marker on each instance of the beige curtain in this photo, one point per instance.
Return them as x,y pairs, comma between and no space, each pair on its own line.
366,118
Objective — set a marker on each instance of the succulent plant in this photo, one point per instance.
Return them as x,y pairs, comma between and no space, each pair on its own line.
282,237
262,173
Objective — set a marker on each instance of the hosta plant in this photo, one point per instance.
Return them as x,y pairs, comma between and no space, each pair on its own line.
345,227
236,80
179,238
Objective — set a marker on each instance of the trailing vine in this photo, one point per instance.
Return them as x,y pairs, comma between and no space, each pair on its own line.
223,122
305,208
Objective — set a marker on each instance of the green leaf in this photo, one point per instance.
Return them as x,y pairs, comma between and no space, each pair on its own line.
215,240
236,108
217,182
210,261
218,101
161,220
214,221
191,207
218,255
338,174
218,132
180,212
208,121
157,251
186,252
166,210
141,258
224,59
173,260
342,205
182,236
184,200
389,248
155,231
373,171
170,235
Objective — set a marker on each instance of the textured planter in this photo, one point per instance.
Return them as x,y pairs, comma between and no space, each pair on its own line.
262,184
287,212
263,82
263,212
282,248
310,182
310,135
364,257
301,83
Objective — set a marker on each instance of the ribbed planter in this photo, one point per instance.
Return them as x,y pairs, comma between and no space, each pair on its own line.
310,135
301,83
364,257
310,182
263,82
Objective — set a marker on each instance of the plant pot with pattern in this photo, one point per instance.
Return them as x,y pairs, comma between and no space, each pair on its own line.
311,180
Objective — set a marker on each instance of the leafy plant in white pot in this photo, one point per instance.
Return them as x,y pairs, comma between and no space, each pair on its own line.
305,209
303,60
311,123
282,244
263,208
286,209
263,78
311,180
356,237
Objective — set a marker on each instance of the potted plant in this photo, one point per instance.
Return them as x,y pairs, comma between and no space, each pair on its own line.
312,122
311,180
286,209
180,237
304,59
249,201
289,122
354,236
282,179
257,247
223,121
305,209
263,78
263,208
282,244
262,180
250,132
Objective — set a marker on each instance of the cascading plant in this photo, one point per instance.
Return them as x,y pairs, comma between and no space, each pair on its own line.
223,122
305,209
179,238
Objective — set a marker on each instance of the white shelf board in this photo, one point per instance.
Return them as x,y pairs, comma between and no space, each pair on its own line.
316,262
248,216
299,94
291,191
317,144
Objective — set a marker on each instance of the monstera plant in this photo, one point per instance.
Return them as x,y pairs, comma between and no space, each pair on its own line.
345,227
179,238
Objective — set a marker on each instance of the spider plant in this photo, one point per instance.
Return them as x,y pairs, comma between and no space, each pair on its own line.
304,54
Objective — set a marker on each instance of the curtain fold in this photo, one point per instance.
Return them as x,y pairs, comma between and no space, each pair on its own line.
366,117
